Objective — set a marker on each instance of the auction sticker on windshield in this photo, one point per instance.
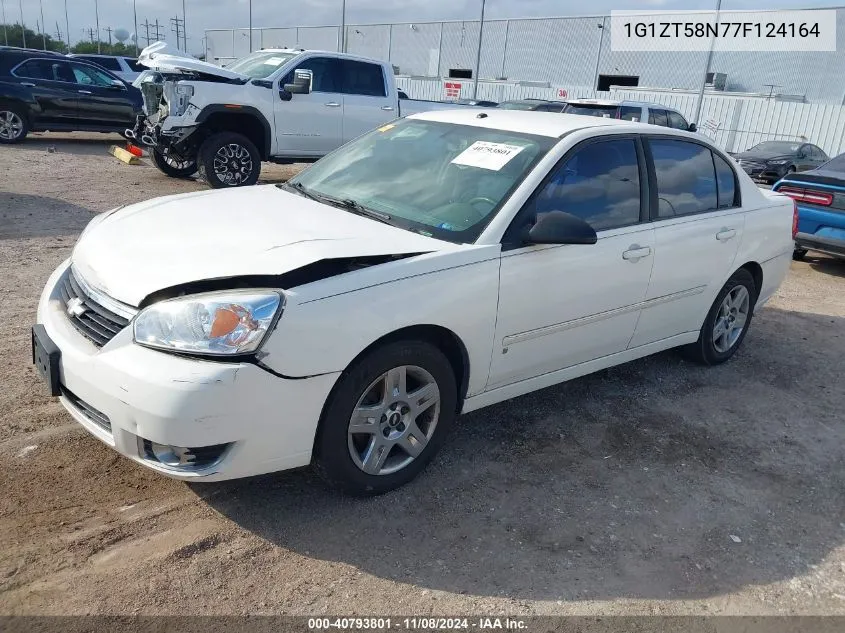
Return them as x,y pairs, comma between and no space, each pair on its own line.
486,155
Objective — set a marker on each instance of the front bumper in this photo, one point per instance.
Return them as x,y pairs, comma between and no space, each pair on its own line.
768,173
265,422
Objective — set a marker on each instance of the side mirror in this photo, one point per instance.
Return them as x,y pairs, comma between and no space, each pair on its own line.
117,84
302,80
557,227
692,127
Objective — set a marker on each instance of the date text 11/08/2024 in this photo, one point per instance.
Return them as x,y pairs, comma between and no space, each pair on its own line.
416,623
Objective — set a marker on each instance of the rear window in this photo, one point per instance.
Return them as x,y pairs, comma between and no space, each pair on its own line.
134,65
602,111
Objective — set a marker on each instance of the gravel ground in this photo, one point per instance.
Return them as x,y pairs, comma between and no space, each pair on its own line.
658,487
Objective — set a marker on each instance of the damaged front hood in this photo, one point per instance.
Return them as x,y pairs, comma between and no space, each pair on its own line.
166,242
165,59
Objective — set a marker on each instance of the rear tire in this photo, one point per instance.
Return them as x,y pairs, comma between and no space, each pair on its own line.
228,159
14,126
377,432
168,168
727,322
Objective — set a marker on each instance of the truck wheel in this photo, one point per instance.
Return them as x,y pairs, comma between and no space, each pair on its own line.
13,124
386,417
173,168
228,159
727,322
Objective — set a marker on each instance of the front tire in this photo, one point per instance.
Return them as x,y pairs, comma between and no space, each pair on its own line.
228,159
386,418
14,125
727,322
172,168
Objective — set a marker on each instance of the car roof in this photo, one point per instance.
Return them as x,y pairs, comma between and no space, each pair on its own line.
99,55
28,51
551,124
625,102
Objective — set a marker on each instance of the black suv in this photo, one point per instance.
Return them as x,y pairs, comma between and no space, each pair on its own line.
40,91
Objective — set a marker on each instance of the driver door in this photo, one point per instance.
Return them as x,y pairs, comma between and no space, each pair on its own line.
310,125
560,306
101,101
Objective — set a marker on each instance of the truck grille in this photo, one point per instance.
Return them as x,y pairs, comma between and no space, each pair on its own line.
92,319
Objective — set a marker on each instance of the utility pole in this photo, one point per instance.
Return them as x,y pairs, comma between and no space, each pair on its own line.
108,30
146,26
67,27
135,13
59,32
43,26
5,30
343,25
707,68
159,36
478,56
184,28
23,26
177,27
250,26
97,16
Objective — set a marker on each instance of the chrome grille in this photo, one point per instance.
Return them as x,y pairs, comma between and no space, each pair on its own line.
90,413
95,322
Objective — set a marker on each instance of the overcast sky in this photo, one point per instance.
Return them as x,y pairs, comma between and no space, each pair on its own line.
207,14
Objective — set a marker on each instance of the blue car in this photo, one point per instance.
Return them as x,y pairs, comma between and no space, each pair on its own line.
820,197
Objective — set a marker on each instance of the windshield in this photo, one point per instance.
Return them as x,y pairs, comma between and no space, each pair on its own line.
776,147
438,179
605,111
261,64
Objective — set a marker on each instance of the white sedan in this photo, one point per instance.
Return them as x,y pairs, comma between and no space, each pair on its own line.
439,264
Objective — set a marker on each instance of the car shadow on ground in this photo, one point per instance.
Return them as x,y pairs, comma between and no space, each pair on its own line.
656,479
22,216
826,264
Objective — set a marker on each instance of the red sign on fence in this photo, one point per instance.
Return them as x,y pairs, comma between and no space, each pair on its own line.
452,89
561,93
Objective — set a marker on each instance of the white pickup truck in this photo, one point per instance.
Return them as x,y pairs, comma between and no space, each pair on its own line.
282,105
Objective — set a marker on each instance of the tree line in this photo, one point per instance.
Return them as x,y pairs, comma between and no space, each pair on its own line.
13,35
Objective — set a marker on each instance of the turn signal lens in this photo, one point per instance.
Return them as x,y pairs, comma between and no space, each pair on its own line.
794,219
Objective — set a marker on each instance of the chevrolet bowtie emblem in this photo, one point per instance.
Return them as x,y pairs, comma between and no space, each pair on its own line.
76,307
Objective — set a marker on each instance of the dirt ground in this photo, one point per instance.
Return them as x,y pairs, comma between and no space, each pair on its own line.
658,487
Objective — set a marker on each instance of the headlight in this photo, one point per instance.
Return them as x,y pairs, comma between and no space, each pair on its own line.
214,323
778,162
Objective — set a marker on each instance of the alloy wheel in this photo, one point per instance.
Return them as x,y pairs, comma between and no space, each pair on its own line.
11,125
233,164
731,318
394,420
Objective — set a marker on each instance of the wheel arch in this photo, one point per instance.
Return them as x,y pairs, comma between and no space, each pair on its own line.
756,273
245,120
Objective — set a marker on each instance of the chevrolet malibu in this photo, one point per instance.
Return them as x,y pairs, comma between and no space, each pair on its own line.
438,264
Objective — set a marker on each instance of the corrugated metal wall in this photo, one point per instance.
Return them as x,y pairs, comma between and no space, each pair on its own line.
557,50
739,122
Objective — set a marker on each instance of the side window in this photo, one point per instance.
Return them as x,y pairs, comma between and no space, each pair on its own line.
45,69
600,184
677,121
726,182
548,107
658,117
134,66
820,155
326,74
686,178
630,113
88,76
361,78
109,63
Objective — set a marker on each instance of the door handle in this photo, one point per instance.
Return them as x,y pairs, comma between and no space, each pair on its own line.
726,234
84,92
636,252
387,108
28,84
332,104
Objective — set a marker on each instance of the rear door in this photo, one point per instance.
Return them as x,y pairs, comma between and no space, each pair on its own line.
310,125
561,306
698,222
103,99
366,104
53,89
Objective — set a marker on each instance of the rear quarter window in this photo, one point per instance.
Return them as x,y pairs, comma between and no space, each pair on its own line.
686,178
